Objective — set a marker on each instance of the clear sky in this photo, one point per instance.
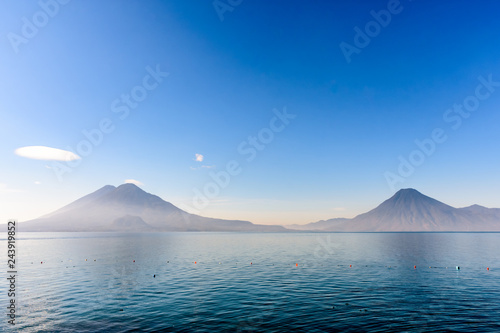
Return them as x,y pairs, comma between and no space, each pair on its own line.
305,110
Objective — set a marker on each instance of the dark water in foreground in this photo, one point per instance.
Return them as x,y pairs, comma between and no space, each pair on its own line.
251,283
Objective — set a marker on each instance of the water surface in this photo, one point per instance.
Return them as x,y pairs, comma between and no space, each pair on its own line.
250,282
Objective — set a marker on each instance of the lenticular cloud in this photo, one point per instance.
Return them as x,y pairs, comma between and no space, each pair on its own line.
133,181
46,153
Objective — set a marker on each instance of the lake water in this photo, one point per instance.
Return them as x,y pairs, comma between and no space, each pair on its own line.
252,282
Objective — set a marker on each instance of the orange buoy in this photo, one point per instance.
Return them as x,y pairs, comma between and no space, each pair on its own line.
195,262
350,265
296,265
85,259
487,268
250,263
415,266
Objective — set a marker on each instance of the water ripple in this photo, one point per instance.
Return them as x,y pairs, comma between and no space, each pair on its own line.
258,282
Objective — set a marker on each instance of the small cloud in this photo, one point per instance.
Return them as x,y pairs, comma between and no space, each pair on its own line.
133,181
46,153
37,182
202,167
199,157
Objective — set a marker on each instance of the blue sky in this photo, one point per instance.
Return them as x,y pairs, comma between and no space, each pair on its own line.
349,124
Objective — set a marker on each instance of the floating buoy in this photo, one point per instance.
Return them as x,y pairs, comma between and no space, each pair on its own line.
154,275
195,262
457,267
250,263
415,266
41,262
487,268
85,259
296,265
133,260
350,265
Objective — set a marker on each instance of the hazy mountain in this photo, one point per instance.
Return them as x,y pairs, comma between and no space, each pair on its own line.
318,226
129,208
130,223
410,210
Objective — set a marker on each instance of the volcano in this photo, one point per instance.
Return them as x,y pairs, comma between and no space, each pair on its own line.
128,208
410,210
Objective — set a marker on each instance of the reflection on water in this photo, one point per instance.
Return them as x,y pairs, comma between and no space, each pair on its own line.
258,282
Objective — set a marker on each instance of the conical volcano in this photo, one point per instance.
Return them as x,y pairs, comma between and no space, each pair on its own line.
129,208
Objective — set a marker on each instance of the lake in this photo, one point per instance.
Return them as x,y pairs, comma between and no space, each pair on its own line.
254,282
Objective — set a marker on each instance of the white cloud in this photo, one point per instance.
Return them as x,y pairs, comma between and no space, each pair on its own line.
37,182
199,157
133,181
46,153
202,167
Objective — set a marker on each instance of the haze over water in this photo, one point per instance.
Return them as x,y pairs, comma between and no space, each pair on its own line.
258,282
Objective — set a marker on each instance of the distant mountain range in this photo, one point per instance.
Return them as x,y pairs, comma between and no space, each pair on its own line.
410,210
127,208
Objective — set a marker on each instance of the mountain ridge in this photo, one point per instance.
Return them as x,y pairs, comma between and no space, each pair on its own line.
409,210
129,208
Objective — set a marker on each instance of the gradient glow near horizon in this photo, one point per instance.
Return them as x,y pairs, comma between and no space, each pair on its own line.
274,112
